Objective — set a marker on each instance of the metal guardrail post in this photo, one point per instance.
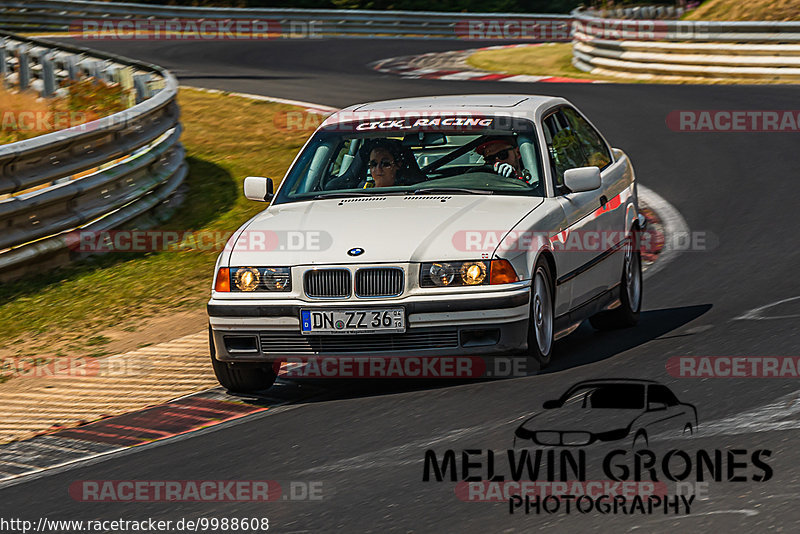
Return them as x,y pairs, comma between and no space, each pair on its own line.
125,76
3,64
140,83
71,65
48,75
24,68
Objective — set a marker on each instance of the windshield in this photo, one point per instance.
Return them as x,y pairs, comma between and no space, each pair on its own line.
608,396
345,162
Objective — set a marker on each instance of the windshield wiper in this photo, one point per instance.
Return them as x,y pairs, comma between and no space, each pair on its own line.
426,190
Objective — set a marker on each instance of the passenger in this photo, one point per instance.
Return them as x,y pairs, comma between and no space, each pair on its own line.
502,153
385,164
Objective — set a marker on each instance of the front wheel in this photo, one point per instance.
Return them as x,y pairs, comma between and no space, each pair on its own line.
627,314
540,324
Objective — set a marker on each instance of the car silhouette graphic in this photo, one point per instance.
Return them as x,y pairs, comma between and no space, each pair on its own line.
608,410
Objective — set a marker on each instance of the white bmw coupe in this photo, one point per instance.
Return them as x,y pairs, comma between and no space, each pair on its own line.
439,226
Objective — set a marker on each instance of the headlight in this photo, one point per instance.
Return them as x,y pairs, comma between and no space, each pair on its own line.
247,279
441,274
276,279
473,273
260,279
467,273
454,273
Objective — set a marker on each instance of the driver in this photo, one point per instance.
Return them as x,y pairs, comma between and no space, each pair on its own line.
502,153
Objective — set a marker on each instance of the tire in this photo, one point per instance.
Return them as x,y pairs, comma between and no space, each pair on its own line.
241,377
541,321
627,314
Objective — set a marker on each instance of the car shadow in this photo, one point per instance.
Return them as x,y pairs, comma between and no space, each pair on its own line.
582,347
587,345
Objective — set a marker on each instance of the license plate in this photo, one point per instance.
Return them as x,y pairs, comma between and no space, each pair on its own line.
364,321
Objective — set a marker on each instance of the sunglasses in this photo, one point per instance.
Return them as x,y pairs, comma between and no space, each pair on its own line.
503,154
385,164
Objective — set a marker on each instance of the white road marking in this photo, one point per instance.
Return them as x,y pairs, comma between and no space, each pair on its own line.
756,313
783,414
308,105
523,78
747,512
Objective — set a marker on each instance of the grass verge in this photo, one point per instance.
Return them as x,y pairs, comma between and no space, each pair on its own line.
25,115
783,10
66,312
555,59
548,59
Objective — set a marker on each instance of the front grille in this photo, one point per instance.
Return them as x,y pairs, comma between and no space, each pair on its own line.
556,438
327,283
379,282
371,343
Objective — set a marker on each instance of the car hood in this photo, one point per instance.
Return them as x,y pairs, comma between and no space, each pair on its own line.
388,229
593,420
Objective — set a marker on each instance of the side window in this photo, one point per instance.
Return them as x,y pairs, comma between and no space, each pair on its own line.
594,148
564,147
343,158
660,393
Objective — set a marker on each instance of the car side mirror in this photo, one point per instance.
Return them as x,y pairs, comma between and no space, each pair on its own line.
582,179
258,188
549,405
656,406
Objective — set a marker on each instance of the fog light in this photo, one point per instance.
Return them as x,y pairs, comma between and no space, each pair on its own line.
237,344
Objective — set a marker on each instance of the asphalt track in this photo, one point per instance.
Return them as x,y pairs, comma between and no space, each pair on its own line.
365,441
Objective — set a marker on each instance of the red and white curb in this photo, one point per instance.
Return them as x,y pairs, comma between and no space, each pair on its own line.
307,106
451,66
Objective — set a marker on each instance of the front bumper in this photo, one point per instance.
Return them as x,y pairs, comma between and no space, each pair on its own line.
492,323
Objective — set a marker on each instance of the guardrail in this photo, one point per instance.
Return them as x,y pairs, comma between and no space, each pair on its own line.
647,12
129,162
686,49
67,15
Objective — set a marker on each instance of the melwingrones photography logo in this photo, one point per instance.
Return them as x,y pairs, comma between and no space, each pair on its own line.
611,446
608,410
